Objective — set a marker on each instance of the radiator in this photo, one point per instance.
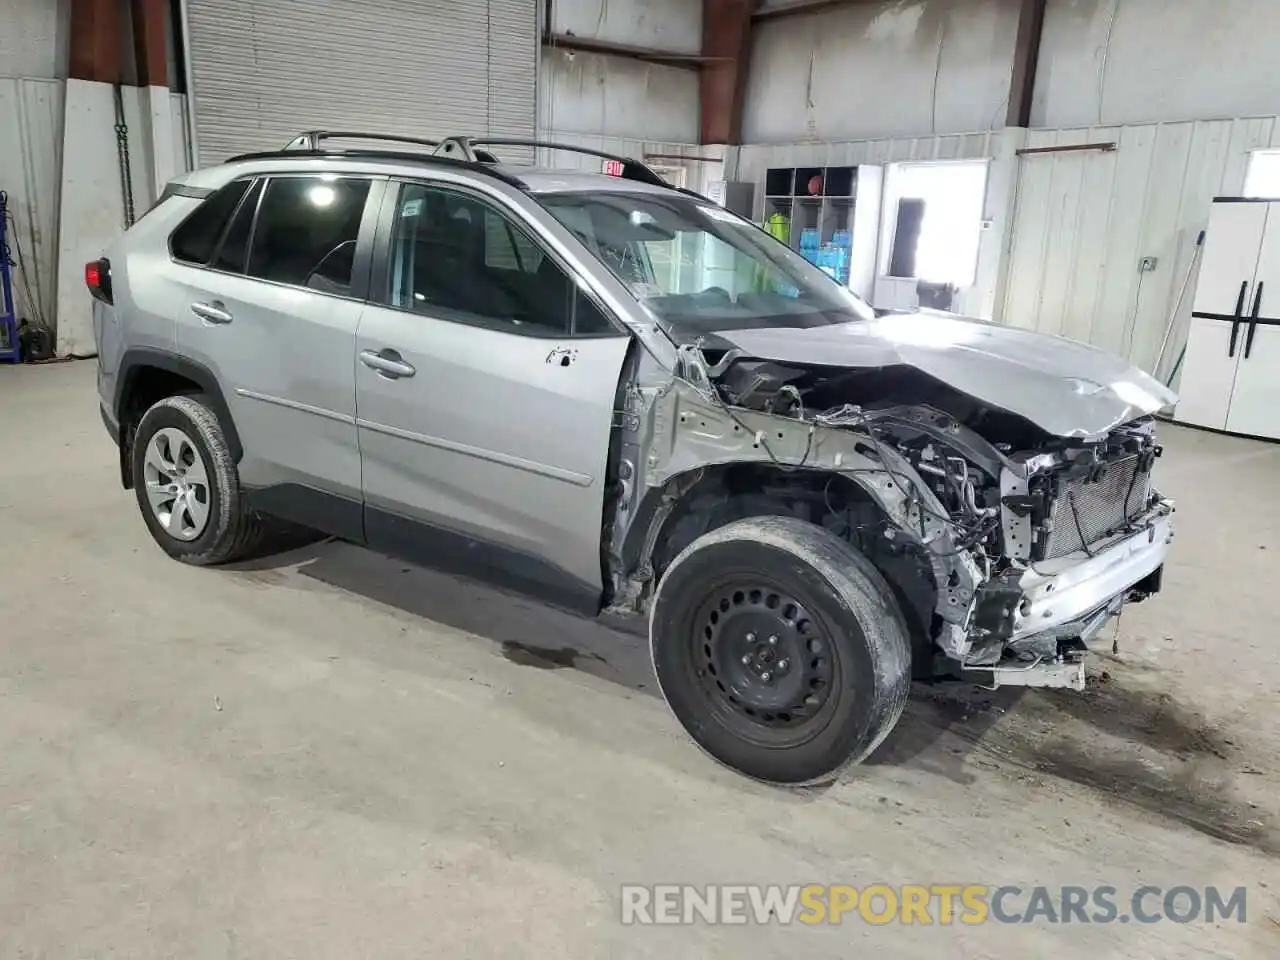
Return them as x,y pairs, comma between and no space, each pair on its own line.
1103,507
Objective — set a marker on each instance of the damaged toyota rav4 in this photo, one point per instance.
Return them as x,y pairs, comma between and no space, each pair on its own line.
617,396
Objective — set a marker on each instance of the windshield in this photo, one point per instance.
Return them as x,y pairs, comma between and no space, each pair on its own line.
701,269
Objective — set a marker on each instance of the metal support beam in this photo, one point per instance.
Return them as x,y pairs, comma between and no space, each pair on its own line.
1026,57
150,33
95,41
667,58
726,49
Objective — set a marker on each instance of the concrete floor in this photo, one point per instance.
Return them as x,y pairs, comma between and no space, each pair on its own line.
329,754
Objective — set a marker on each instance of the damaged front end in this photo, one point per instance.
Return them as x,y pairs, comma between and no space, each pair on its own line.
1022,544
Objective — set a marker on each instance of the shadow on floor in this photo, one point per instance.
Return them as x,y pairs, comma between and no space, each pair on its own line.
1136,746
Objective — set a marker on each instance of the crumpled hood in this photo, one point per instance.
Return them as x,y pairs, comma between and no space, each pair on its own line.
1066,388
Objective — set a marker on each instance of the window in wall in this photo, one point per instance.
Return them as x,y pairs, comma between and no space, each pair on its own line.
1263,179
306,232
456,257
933,222
195,239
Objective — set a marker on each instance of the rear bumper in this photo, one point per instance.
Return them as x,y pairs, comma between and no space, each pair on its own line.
1066,596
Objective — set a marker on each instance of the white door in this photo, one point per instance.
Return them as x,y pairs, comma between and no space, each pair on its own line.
1255,405
1208,373
1234,239
1219,317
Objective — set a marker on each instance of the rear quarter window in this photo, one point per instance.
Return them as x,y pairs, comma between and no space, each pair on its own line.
195,240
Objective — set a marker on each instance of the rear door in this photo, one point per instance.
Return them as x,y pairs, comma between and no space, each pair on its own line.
272,311
486,383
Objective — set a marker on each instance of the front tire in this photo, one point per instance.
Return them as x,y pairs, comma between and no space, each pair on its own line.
187,485
780,649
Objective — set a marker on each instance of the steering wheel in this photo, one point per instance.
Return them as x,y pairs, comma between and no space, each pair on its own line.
718,290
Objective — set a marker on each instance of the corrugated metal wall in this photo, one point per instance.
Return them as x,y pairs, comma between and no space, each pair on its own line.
1083,221
30,167
265,70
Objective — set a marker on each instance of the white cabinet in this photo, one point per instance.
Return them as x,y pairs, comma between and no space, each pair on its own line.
1231,372
1255,402
1208,375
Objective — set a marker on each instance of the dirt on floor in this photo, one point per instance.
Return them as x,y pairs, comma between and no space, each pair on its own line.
328,753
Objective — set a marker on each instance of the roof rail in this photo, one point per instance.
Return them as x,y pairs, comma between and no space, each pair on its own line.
311,139
385,156
464,148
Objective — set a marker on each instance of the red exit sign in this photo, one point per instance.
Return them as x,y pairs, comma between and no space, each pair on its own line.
613,168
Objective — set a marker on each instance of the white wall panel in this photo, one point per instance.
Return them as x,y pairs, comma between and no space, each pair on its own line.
886,69
673,25
30,169
1108,62
617,97
33,38
1084,220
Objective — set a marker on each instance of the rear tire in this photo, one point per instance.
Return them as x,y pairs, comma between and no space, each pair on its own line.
187,485
780,649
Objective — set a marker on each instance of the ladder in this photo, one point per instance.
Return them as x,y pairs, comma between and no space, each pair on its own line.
9,347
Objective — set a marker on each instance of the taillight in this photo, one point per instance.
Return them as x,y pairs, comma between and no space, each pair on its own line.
97,277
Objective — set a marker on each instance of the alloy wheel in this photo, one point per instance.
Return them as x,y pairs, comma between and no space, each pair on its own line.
177,484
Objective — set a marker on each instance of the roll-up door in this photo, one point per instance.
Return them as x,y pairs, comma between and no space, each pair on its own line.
264,70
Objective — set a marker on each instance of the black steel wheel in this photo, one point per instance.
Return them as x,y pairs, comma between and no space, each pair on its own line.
780,649
766,661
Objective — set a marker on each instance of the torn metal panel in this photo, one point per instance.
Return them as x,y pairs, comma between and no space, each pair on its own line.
682,431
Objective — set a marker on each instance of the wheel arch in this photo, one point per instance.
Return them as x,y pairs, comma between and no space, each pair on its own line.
147,375
753,485
703,499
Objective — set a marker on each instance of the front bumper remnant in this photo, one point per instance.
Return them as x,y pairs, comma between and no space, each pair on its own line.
1059,595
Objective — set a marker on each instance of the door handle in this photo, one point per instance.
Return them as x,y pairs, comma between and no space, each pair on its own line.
1238,317
1253,319
387,363
215,311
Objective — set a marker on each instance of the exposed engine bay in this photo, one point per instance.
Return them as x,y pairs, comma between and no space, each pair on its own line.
1024,544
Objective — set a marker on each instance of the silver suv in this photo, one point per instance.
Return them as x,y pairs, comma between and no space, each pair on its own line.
616,395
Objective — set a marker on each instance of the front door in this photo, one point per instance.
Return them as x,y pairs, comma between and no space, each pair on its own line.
486,382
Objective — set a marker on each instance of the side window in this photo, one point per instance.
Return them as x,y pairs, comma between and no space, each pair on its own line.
235,243
195,240
458,258
306,231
